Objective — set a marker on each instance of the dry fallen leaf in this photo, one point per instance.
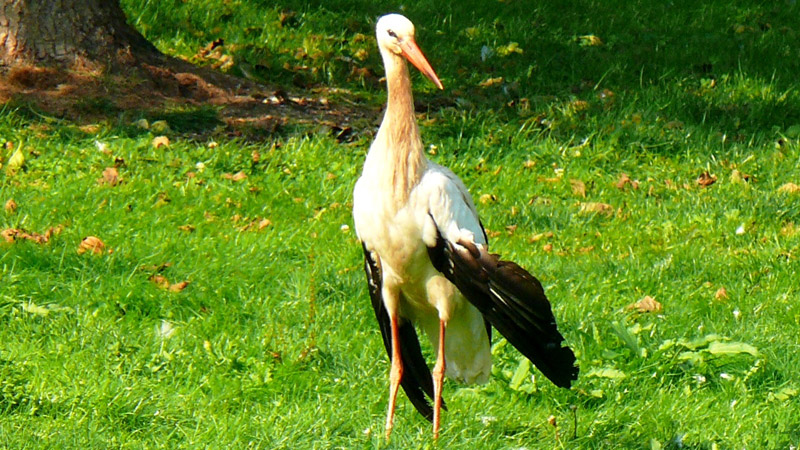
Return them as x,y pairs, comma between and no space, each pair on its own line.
590,40
264,223
528,164
160,281
238,176
511,229
647,304
187,228
790,229
177,287
490,82
540,236
624,179
597,207
110,177
706,179
578,188
91,244
579,105
789,188
11,235
547,248
486,198
10,206
491,233
721,294
160,141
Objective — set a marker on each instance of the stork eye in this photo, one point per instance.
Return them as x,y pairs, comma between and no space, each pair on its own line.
392,33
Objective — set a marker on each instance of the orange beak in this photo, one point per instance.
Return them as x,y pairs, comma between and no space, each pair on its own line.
412,53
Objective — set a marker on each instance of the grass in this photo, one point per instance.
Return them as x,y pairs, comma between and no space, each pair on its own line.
273,345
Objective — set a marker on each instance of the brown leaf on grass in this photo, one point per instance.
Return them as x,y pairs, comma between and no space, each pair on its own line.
254,224
487,198
529,164
645,305
578,188
790,229
489,82
590,40
706,179
238,176
511,229
538,237
162,282
789,188
721,294
187,228
11,235
92,244
491,233
177,287
579,105
255,156
159,280
624,179
10,206
597,207
547,248
110,177
160,141
585,250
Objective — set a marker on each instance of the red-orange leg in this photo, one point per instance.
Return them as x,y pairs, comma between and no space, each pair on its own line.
395,375
438,380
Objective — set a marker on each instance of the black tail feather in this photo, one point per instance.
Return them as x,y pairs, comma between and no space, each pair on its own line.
512,300
417,380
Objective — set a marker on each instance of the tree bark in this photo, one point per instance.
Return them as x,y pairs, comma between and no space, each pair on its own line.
66,32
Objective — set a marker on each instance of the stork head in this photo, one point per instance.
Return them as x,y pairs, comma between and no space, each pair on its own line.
396,37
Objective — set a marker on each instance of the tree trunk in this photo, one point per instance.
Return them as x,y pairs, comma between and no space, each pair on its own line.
67,32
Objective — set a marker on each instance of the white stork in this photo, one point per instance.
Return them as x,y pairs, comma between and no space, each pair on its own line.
427,260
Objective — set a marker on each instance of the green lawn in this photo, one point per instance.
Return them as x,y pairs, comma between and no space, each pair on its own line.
273,344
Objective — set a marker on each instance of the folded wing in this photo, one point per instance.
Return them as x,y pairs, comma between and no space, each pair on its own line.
511,299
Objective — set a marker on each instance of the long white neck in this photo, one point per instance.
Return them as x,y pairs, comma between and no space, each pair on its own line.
398,146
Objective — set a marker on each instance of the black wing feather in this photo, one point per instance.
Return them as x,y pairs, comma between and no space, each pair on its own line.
417,380
512,300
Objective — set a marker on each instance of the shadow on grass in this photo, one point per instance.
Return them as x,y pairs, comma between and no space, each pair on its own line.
320,65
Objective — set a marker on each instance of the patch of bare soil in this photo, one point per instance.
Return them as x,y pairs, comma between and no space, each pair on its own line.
172,83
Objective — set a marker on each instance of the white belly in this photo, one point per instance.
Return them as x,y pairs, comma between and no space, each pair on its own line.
396,238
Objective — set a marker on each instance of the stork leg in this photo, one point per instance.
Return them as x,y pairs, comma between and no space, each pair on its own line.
438,380
395,374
